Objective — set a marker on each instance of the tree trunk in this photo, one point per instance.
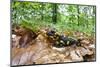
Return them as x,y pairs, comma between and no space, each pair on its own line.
54,17
42,8
78,14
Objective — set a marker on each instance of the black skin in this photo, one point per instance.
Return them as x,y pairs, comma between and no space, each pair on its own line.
63,38
51,33
72,41
62,41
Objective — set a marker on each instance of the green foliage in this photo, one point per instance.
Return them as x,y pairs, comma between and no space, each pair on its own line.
36,15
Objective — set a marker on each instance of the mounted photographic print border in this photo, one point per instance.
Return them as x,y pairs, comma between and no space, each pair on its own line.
52,33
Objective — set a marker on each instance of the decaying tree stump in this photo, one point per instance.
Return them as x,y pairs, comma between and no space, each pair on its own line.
41,52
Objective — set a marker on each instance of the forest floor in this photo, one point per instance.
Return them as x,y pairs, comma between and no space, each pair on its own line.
40,51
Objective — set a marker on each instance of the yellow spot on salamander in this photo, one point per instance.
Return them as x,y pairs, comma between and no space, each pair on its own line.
62,42
57,42
67,42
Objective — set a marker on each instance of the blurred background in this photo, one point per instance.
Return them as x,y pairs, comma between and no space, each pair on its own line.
62,17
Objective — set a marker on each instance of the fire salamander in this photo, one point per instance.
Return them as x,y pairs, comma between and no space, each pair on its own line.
61,40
